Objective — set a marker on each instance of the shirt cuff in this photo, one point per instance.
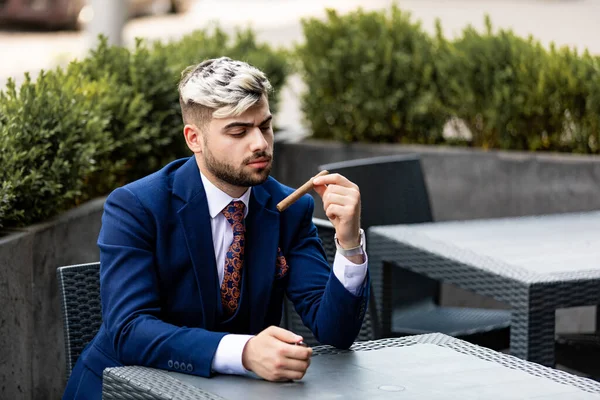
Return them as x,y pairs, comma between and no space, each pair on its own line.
228,357
351,275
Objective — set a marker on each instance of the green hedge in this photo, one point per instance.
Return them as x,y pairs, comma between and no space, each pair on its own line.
377,76
370,77
52,135
106,120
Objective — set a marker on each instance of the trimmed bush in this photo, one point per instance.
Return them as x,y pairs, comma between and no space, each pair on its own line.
145,124
52,134
514,94
370,77
378,77
108,119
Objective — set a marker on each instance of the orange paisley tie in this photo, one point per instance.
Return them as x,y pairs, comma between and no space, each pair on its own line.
234,259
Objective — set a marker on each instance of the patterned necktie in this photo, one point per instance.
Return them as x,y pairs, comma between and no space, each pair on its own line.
234,259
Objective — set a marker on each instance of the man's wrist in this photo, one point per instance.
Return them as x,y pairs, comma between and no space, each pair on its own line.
348,249
228,358
245,356
350,244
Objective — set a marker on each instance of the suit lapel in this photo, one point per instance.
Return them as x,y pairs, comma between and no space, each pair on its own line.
195,219
262,238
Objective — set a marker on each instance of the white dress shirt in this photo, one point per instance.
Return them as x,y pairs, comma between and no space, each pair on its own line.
228,358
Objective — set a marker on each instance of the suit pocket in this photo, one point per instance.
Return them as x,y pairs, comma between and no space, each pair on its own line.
281,266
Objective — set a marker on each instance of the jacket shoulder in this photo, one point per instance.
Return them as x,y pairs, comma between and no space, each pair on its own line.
156,187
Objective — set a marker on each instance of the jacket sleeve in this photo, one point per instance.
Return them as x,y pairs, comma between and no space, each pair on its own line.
333,314
130,295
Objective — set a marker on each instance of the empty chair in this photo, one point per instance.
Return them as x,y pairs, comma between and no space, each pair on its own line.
79,288
292,321
393,191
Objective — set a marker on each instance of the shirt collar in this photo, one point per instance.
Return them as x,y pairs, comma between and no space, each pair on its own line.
217,199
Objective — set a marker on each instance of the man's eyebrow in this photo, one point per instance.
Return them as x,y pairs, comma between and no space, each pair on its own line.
268,119
246,124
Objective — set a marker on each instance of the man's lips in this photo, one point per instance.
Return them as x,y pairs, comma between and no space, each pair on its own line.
260,162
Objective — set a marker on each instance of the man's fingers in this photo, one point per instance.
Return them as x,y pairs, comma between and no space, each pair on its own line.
334,179
343,190
335,194
335,210
296,365
296,352
287,375
320,189
334,198
284,335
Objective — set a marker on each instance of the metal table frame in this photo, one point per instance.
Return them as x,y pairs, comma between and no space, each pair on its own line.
533,297
147,383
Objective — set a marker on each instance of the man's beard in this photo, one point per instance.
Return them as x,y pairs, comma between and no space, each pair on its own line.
237,177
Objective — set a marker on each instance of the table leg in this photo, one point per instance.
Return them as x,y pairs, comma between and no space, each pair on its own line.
532,334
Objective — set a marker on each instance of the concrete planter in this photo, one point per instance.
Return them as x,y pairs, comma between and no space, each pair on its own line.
470,184
32,355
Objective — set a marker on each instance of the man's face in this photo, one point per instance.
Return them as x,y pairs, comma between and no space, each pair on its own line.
239,150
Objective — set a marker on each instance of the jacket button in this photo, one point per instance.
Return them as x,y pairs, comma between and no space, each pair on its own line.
170,363
190,368
176,365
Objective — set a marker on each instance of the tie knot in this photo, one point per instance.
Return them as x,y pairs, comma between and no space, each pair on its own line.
234,213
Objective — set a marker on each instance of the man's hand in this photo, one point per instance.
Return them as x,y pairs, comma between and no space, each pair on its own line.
341,202
274,356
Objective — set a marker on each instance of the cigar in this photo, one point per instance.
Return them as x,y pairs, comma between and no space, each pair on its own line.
301,191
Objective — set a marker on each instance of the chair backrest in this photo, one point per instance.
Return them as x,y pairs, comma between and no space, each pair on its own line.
79,288
293,321
393,191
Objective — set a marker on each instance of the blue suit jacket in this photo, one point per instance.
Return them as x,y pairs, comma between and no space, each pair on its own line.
159,282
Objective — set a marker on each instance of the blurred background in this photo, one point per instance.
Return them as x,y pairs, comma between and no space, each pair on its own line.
41,34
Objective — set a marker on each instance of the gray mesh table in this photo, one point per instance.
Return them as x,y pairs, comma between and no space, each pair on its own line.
425,367
535,264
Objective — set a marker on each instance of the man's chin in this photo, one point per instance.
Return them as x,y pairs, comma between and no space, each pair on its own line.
260,176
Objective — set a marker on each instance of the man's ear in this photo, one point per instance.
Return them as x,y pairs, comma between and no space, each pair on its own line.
193,138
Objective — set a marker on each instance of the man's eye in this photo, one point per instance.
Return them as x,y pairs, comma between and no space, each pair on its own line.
265,128
238,133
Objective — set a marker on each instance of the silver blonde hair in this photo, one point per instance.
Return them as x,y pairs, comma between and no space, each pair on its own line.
225,86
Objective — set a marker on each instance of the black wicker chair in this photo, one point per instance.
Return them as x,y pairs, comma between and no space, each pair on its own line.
79,288
292,321
393,191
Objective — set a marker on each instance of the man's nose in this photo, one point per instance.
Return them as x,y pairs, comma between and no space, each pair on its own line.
259,142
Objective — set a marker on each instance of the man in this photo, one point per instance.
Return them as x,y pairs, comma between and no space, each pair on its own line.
196,258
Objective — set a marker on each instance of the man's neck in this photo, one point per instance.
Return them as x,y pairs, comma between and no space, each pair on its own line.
234,191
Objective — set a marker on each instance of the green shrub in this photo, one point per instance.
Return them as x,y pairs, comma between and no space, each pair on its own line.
52,132
497,86
6,200
144,124
378,77
580,89
109,119
370,76
514,94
